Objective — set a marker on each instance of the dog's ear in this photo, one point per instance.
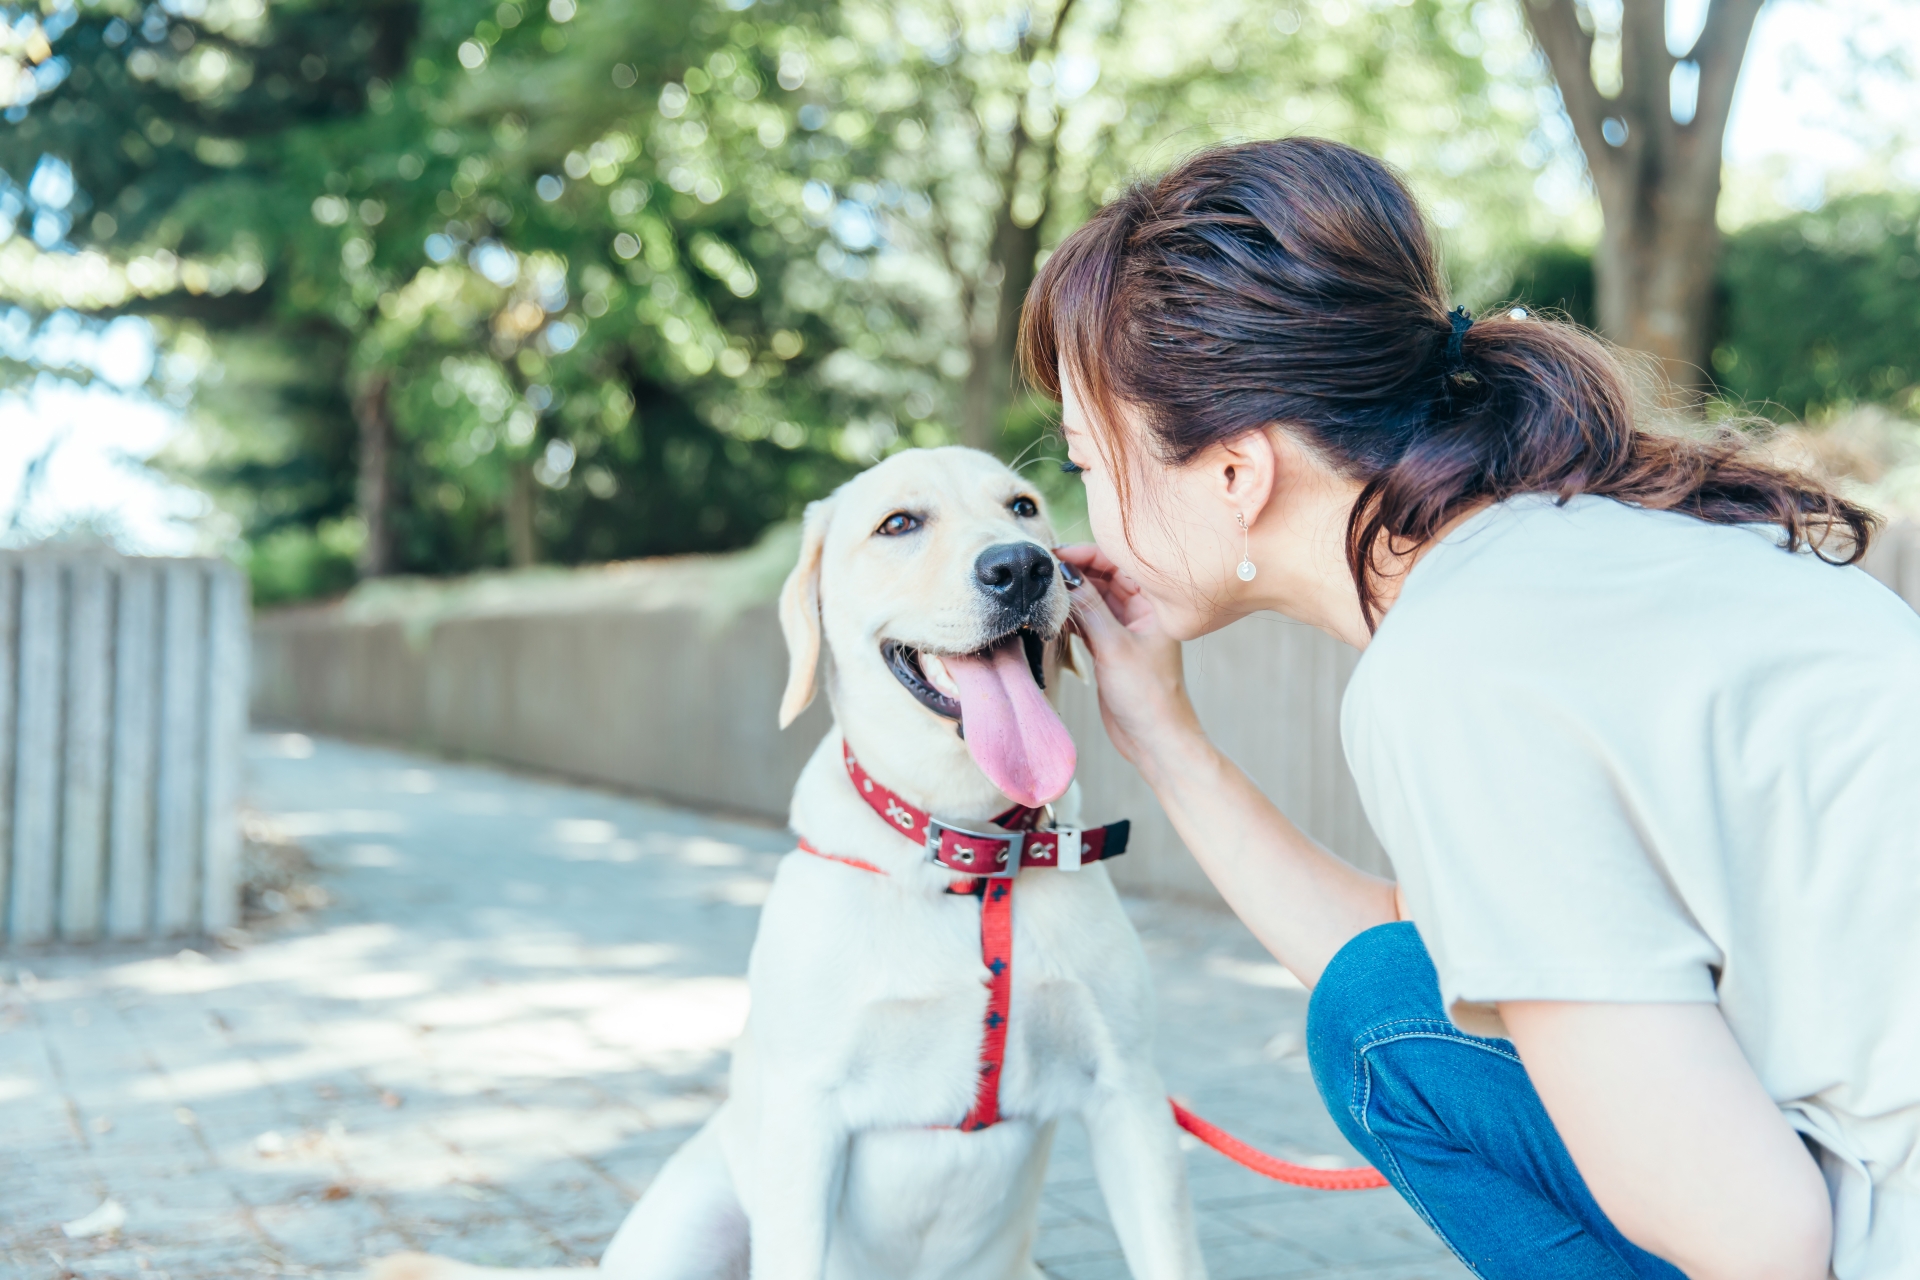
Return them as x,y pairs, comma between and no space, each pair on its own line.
800,613
1068,660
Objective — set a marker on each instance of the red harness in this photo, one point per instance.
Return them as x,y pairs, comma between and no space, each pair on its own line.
984,864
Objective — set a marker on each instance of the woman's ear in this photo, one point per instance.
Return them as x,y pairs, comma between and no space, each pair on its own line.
800,612
1248,471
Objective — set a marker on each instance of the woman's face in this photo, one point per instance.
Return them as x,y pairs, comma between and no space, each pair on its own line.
1176,541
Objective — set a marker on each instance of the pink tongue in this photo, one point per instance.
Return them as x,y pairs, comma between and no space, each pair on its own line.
1012,730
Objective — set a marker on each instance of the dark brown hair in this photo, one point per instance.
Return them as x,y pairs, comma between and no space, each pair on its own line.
1294,282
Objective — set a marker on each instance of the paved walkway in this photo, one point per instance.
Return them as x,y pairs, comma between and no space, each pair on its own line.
515,1005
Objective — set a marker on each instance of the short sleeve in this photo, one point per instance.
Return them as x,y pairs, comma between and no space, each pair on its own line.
1518,850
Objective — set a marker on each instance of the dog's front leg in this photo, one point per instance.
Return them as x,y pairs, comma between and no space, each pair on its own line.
1136,1156
802,1153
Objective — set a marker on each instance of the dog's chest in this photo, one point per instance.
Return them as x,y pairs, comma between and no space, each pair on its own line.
916,1052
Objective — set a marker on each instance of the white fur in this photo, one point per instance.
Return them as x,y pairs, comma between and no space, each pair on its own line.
829,1161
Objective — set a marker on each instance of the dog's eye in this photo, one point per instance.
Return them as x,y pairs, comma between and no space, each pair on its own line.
898,523
1024,507
1071,467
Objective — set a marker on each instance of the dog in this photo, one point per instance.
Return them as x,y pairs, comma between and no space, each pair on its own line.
842,1151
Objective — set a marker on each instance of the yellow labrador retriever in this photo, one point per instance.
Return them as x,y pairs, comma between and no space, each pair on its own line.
870,1133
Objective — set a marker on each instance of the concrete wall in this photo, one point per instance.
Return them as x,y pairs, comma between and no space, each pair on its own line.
665,702
1268,691
122,709
676,702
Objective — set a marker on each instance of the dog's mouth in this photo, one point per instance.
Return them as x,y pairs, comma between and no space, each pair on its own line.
927,677
995,692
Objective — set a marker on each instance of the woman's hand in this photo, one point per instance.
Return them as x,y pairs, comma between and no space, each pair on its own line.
1143,692
1303,903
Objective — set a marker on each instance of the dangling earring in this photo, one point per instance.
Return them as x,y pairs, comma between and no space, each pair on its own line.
1246,569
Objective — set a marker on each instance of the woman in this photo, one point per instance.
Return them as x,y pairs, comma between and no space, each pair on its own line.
1644,751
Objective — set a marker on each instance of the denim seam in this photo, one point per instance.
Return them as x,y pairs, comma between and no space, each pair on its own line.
1360,1104
1428,1028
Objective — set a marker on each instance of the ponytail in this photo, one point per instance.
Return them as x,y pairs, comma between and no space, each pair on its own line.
1294,283
1536,405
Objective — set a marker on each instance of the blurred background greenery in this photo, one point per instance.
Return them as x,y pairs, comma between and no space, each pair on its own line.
429,286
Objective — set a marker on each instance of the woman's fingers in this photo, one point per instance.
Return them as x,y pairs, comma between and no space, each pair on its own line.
1115,604
1093,562
1119,591
1085,555
1105,621
1097,623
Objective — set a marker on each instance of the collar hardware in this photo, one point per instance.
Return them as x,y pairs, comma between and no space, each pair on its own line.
994,854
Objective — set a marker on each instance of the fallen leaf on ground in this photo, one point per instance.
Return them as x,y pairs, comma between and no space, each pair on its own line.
108,1218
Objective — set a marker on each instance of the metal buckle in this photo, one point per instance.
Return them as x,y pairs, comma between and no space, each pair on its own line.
1016,842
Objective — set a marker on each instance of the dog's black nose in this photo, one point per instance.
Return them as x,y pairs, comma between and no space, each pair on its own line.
1019,573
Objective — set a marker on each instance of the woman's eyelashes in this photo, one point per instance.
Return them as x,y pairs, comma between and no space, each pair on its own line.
1071,467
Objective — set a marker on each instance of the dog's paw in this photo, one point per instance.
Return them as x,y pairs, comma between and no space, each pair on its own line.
417,1266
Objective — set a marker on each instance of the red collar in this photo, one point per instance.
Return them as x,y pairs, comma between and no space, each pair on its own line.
969,852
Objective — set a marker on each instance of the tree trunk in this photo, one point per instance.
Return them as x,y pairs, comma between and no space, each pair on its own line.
1658,178
990,375
374,487
1654,284
522,548
991,344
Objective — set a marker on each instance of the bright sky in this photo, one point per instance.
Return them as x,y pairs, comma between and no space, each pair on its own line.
80,449
1822,94
1809,112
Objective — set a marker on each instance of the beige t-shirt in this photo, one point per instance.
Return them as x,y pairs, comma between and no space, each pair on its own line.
1626,755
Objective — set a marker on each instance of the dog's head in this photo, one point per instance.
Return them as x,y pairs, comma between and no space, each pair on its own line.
931,580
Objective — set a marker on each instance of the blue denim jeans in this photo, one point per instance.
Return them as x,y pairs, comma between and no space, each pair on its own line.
1453,1122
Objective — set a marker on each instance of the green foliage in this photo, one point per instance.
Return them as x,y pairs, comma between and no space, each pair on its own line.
276,443
1555,277
621,279
1823,309
1817,311
297,563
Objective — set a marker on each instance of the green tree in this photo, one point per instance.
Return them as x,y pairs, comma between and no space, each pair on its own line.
364,235
967,137
1651,121
1813,312
474,283
1822,309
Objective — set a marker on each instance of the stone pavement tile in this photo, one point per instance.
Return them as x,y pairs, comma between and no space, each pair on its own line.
1063,1242
1079,1197
1444,1268
500,1239
1252,1259
1211,1227
320,1232
1110,1265
1054,1214
518,1006
1389,1232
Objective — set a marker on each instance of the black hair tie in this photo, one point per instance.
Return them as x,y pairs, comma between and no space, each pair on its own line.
1462,320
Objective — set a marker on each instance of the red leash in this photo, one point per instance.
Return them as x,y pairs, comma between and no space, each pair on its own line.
1363,1178
1018,844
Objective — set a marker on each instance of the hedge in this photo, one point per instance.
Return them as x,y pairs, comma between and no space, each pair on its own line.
1815,311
